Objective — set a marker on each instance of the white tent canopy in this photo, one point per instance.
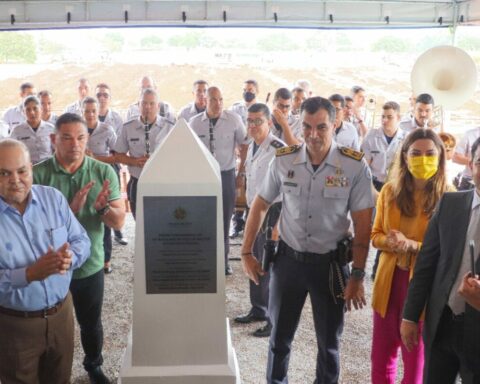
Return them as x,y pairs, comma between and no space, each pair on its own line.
36,14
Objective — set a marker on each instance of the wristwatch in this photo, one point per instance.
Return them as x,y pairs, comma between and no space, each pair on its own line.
357,273
103,211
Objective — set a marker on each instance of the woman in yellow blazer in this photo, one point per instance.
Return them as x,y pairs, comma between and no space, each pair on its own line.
404,207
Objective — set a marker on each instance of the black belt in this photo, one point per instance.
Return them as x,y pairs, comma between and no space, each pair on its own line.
31,314
306,257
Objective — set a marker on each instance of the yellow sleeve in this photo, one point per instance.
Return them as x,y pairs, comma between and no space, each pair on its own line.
379,233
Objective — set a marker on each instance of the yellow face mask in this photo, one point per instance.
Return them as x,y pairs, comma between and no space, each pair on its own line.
423,167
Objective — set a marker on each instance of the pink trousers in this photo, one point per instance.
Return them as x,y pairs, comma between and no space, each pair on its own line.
386,339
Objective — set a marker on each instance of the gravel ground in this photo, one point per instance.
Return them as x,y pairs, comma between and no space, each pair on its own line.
251,352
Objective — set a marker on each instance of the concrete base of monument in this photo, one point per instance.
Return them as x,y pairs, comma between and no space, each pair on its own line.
185,374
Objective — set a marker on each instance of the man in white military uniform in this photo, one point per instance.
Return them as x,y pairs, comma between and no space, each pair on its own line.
320,184
250,92
199,102
346,134
286,126
34,132
46,107
14,115
260,153
83,89
462,156
164,109
222,132
138,139
360,118
381,144
105,113
298,97
422,114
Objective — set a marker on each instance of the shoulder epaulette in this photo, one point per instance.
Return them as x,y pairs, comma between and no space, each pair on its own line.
277,144
287,150
349,152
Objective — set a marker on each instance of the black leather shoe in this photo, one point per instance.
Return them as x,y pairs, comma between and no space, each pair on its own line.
249,318
263,331
228,270
97,376
121,240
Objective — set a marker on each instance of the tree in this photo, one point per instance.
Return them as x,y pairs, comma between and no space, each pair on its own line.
17,47
390,44
276,42
151,42
113,42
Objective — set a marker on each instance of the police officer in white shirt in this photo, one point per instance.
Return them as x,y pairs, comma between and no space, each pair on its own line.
250,92
105,113
422,114
346,134
285,126
34,132
360,118
139,138
199,102
381,144
46,107
14,115
320,185
222,132
298,97
260,153
83,89
462,156
164,109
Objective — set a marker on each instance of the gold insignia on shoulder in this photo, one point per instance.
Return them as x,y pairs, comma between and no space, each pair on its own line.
287,150
349,152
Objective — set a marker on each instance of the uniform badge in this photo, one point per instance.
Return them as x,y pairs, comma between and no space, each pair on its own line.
330,181
339,171
290,174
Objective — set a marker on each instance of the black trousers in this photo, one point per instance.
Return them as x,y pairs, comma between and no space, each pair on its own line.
259,293
87,296
132,195
447,357
228,196
290,283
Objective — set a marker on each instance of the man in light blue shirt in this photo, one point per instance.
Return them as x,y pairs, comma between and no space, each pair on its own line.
42,243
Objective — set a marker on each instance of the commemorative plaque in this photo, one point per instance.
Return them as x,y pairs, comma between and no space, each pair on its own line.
180,244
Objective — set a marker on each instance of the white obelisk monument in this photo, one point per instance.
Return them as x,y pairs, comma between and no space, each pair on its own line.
180,333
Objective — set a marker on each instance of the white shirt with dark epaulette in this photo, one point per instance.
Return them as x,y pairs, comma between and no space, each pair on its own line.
114,119
14,116
75,108
132,139
165,110
256,165
38,142
229,132
295,125
188,111
316,204
102,140
379,154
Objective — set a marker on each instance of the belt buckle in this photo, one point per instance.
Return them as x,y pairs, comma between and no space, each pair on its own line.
45,313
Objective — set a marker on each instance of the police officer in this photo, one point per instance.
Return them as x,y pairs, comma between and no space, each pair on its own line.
46,107
319,184
105,113
381,144
249,95
286,126
462,156
199,103
14,115
260,152
139,138
222,132
346,134
34,132
422,114
83,89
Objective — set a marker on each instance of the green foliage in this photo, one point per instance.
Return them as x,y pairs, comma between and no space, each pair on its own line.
113,42
390,44
188,40
17,47
151,42
433,41
277,42
469,43
50,47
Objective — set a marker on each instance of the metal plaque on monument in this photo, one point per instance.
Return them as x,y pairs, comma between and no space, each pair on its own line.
180,333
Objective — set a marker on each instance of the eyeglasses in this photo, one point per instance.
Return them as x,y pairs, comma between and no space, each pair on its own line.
283,106
256,122
103,94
